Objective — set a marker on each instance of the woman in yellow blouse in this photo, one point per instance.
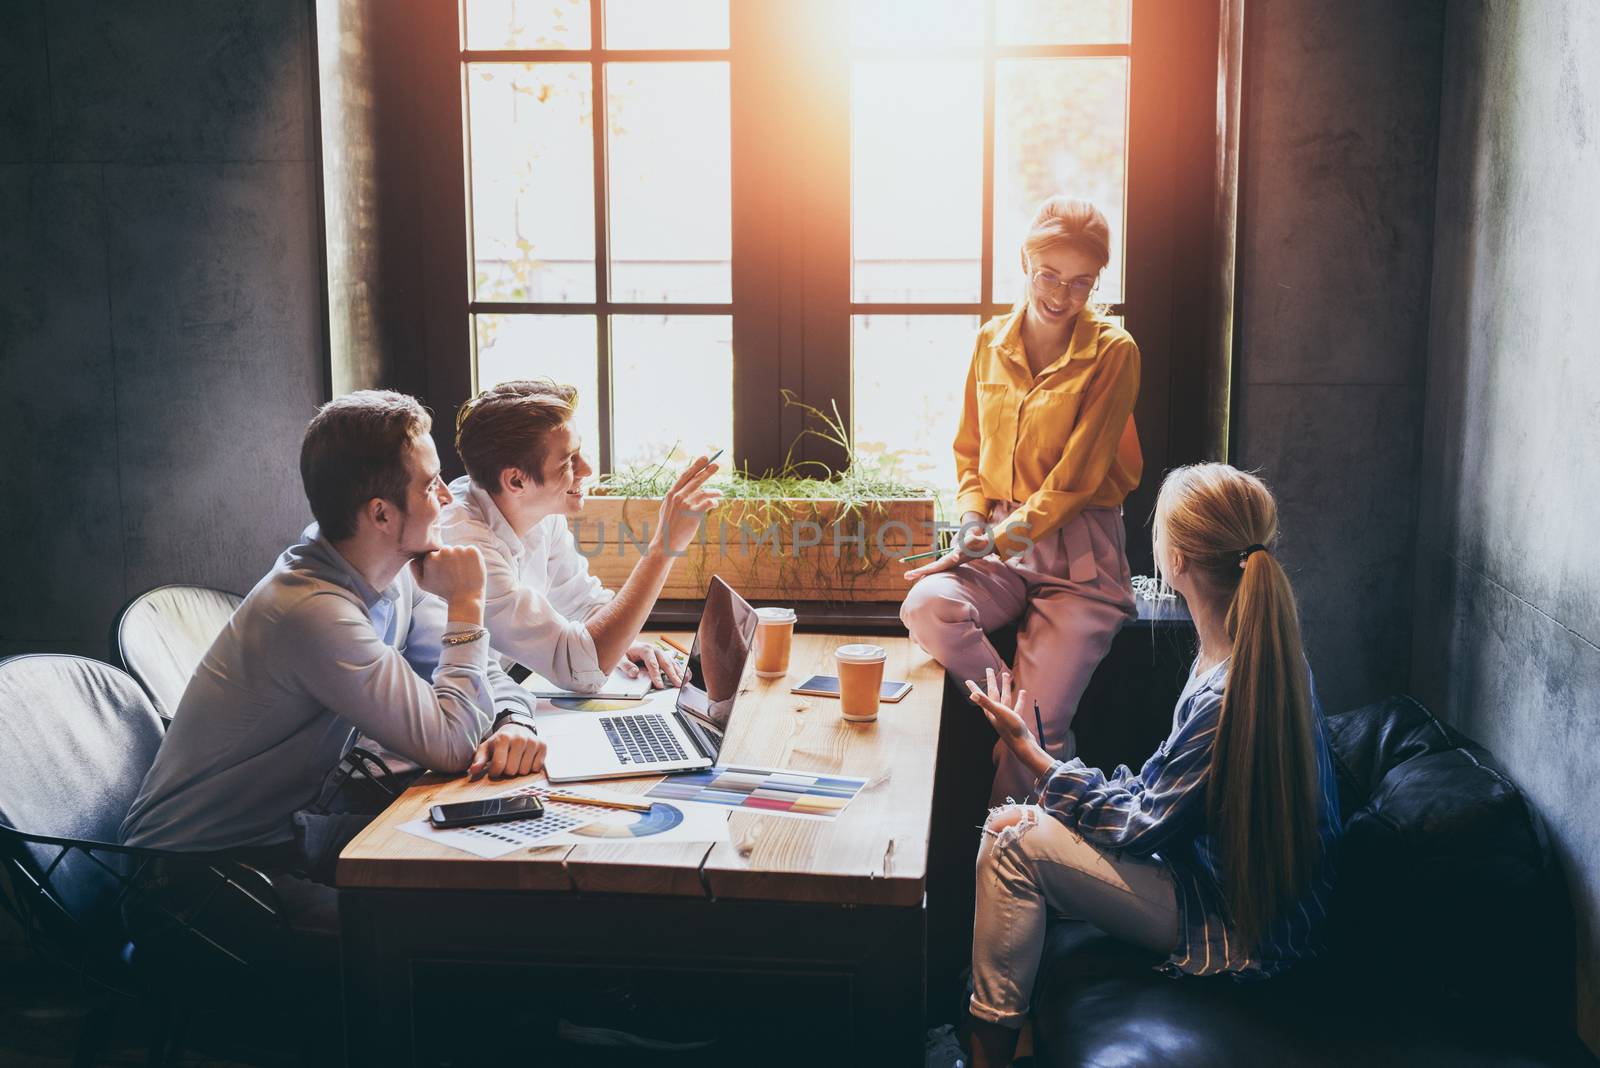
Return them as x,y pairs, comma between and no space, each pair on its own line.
1045,455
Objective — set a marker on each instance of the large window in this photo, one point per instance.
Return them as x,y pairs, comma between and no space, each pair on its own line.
600,213
688,207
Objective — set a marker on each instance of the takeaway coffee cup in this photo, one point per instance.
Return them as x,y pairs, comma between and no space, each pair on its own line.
774,636
860,679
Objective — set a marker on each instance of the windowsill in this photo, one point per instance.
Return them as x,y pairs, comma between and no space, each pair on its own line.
884,618
865,618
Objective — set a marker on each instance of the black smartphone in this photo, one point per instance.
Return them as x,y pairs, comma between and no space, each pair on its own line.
828,686
492,810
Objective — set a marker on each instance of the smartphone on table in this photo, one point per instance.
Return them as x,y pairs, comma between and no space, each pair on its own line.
828,686
489,810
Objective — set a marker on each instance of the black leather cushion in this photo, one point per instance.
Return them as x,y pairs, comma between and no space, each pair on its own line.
1369,742
1100,1003
1448,889
1451,935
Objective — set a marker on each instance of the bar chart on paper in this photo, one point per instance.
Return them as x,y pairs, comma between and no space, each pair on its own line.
771,790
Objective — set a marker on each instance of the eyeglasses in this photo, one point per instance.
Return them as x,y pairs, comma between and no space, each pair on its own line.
1048,283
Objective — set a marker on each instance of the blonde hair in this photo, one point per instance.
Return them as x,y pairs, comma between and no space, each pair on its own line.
1063,222
1263,793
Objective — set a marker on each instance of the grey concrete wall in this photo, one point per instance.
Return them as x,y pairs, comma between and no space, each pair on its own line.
347,47
1335,239
1508,589
374,208
161,301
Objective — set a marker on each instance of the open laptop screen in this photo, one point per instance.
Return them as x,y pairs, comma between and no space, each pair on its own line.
718,657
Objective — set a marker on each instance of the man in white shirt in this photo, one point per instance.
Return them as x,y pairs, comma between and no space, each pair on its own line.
525,478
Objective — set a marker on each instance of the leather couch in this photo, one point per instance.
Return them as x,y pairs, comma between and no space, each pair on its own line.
1452,937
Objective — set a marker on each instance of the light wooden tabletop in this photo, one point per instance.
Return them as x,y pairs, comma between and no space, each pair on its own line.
873,853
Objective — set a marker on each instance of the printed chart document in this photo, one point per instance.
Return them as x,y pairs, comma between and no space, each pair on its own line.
564,823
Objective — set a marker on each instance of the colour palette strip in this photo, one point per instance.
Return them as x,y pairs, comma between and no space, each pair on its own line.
772,790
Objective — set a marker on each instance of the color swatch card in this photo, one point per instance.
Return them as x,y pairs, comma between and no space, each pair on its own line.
803,794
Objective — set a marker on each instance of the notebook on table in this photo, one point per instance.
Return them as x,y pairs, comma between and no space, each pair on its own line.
618,687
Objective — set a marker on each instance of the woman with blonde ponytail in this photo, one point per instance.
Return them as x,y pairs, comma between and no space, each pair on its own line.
1217,853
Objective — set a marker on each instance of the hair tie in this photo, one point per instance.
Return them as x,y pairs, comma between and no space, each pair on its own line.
1248,549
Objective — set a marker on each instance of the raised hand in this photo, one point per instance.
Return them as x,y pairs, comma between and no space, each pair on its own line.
1005,713
685,503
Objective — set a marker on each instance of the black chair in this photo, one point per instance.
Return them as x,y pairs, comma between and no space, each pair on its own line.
163,633
76,739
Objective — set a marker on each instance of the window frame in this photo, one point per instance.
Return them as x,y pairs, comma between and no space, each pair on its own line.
602,308
792,303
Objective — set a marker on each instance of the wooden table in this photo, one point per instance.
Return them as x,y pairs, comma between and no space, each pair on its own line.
822,923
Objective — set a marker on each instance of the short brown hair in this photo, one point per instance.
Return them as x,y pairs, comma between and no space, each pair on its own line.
354,450
508,426
1062,222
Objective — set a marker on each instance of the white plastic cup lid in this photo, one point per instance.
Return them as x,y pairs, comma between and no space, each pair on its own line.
775,615
861,654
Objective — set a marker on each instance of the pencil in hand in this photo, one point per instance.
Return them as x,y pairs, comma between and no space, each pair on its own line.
921,556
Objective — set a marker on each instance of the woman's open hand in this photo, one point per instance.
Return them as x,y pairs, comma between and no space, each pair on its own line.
953,558
973,541
1004,710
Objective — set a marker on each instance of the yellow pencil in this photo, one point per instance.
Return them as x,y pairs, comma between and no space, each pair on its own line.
673,643
576,799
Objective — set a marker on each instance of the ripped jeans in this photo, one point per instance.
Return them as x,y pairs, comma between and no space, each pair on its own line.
1030,862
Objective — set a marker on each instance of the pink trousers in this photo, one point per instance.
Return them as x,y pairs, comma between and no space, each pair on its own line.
1069,594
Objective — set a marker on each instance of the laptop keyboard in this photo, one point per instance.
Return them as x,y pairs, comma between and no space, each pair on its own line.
642,739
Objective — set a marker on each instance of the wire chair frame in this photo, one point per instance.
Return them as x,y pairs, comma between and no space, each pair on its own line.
54,930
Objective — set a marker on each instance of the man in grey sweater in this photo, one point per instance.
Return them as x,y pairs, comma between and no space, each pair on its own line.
369,625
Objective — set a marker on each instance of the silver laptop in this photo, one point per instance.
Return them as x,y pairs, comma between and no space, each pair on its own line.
655,738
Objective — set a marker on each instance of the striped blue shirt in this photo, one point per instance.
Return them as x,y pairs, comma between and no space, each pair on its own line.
1161,813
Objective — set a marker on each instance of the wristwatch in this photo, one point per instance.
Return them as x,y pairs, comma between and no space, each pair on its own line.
517,716
465,636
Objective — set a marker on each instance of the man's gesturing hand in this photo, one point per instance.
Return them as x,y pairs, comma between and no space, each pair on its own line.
684,505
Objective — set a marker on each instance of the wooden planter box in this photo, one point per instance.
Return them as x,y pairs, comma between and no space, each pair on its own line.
788,550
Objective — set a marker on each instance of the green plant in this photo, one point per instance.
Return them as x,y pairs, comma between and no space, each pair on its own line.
862,479
786,496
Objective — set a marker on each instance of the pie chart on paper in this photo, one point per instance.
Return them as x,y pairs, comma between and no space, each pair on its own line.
661,817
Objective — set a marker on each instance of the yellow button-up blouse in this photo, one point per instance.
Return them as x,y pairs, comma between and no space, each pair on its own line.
1057,442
